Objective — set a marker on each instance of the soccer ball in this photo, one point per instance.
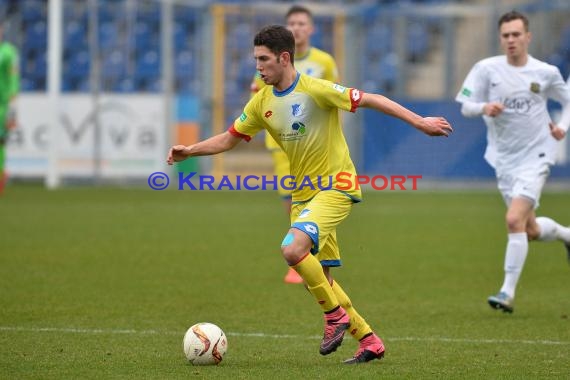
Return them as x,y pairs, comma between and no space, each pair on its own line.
205,344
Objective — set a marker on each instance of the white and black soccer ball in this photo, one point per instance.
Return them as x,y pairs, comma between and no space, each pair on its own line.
205,344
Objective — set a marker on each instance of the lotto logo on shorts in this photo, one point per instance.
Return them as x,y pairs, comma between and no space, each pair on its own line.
310,228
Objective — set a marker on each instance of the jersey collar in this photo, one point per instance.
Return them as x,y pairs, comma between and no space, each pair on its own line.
303,56
288,89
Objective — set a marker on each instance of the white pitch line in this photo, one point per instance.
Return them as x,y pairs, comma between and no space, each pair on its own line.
545,342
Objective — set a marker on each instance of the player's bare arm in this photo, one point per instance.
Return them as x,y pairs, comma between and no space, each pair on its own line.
432,126
214,145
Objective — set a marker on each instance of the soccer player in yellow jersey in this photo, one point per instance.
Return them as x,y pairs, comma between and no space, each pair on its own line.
301,114
308,60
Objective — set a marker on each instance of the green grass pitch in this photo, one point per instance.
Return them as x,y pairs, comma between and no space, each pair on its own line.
103,283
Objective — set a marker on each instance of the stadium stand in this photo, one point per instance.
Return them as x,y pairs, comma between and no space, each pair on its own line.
129,45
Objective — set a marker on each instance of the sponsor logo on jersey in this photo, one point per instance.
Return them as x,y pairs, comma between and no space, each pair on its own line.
268,114
535,87
355,95
243,117
298,131
339,88
466,92
519,105
300,127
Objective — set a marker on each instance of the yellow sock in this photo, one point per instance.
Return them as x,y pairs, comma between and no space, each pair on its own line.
311,271
358,327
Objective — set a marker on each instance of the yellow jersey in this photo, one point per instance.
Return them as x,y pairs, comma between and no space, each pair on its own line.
305,122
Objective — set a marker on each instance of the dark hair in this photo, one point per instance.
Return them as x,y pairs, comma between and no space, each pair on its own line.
299,9
511,16
277,39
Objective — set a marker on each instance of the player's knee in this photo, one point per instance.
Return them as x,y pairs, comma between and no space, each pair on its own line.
514,221
288,249
291,254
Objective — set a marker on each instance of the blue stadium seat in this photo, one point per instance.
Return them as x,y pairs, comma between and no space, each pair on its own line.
417,41
82,84
114,64
78,64
154,85
186,16
27,84
182,35
242,36
146,36
246,70
565,39
40,66
75,12
124,85
33,10
379,40
107,12
108,34
75,34
184,64
388,72
36,35
561,61
68,84
148,64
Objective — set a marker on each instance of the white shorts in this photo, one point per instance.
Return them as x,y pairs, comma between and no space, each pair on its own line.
526,183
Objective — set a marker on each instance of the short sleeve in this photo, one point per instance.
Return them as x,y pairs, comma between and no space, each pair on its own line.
248,124
331,95
558,89
474,88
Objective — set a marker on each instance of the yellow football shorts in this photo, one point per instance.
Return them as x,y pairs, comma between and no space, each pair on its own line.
319,218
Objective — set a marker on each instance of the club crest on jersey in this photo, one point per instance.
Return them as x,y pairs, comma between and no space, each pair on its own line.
535,87
268,114
297,110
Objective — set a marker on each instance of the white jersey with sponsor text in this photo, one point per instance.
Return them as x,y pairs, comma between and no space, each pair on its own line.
520,135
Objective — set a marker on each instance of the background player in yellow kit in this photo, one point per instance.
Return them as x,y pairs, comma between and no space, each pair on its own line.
301,114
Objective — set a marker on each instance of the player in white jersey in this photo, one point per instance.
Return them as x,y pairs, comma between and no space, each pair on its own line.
511,91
